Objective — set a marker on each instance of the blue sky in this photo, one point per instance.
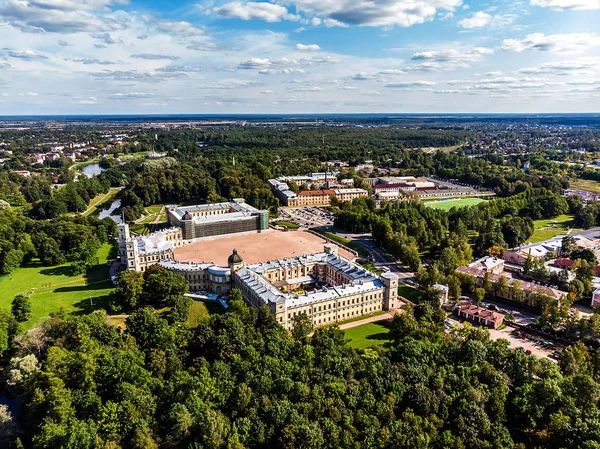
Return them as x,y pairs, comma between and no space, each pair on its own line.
291,56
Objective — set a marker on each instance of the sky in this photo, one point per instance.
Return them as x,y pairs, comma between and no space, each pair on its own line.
298,56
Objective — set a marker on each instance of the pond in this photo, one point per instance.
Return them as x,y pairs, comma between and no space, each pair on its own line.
108,212
91,170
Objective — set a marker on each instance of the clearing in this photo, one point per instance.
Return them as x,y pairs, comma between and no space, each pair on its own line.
367,335
54,288
546,229
450,203
585,184
410,293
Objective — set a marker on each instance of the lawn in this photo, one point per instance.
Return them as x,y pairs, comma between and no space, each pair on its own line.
449,204
367,335
342,241
585,184
546,229
410,293
99,200
286,224
200,309
55,288
372,268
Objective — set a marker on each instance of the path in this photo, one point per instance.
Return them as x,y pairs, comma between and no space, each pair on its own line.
372,319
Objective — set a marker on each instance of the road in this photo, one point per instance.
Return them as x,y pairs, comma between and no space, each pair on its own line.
380,258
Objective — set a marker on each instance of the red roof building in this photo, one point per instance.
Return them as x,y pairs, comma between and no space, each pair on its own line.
479,315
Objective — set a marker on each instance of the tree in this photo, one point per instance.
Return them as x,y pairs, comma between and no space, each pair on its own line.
12,260
495,251
478,295
500,287
163,286
130,287
302,325
568,245
21,308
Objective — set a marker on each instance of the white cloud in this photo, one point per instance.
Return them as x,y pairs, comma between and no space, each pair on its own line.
447,59
561,5
564,67
477,20
369,12
405,84
155,57
310,47
254,11
59,16
559,43
184,29
130,96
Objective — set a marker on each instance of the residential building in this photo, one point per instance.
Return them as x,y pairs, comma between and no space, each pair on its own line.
479,315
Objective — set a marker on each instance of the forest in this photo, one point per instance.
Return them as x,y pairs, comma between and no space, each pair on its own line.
239,380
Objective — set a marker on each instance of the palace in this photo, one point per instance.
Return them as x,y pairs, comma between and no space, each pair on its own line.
217,219
189,223
324,285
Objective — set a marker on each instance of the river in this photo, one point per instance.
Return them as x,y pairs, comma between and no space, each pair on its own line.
108,212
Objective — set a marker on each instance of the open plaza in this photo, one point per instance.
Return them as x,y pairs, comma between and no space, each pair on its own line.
254,248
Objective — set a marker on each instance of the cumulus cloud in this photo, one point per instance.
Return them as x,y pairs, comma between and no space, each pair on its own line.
268,12
564,67
107,38
406,84
26,55
130,96
59,16
310,47
370,13
155,57
306,89
93,61
559,43
286,71
184,29
561,5
447,59
135,75
477,20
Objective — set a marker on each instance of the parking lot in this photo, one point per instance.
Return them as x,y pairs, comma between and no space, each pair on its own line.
307,216
518,340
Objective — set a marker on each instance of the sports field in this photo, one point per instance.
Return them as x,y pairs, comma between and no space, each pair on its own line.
367,335
449,204
54,288
254,248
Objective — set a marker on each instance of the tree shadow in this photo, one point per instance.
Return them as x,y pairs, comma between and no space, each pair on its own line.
84,306
80,288
382,336
62,270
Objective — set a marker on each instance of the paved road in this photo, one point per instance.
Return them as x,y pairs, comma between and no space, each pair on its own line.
380,258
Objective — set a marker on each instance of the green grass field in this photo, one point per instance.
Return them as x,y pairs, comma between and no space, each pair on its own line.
410,293
99,200
71,293
199,310
449,204
286,224
367,335
372,268
342,241
585,184
546,229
